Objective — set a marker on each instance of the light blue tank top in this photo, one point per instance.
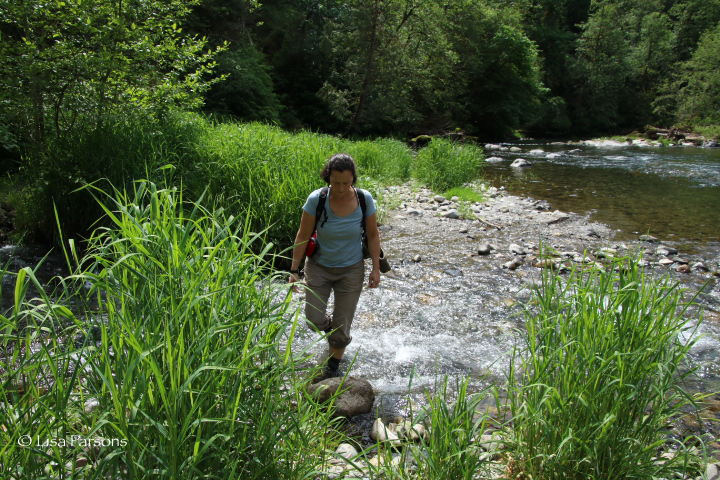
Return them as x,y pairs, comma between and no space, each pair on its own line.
339,238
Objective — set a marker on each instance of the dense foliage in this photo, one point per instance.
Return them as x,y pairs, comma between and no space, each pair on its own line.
361,67
407,67
92,90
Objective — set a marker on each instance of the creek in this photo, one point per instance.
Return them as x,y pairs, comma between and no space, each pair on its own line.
458,314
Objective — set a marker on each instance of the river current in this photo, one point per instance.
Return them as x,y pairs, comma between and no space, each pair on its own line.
457,315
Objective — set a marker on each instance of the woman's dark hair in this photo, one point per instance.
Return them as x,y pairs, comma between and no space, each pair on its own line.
339,163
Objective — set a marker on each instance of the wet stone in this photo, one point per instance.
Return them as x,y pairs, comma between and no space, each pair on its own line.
670,250
453,272
521,163
484,249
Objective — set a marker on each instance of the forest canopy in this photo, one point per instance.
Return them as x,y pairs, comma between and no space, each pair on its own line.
361,67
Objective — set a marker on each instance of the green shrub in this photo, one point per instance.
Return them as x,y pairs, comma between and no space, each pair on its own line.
184,348
600,377
386,159
465,194
444,164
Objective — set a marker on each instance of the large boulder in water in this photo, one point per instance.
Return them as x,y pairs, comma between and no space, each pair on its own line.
356,397
521,163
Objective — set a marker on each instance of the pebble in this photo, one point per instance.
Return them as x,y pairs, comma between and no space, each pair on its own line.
439,198
493,160
648,238
712,472
665,262
591,233
547,263
484,249
346,451
670,250
684,268
382,433
452,213
453,272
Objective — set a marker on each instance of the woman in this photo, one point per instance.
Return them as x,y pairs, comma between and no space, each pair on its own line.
338,263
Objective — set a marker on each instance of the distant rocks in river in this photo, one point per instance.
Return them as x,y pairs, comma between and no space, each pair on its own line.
521,163
494,160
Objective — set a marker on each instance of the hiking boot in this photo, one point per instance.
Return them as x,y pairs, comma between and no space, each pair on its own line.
330,372
332,368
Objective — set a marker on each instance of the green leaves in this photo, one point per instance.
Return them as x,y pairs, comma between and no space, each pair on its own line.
69,63
601,376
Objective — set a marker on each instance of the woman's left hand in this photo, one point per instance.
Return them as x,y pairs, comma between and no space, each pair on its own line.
374,279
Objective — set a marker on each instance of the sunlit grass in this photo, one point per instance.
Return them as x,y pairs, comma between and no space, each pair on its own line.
465,194
444,164
183,349
600,377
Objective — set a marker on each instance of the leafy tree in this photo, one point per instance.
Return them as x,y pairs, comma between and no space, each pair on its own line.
246,90
554,27
68,62
601,67
497,71
392,65
699,96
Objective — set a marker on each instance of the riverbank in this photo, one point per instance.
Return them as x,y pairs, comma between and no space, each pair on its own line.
462,274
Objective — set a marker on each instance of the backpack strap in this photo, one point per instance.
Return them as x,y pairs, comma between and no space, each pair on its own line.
320,209
361,200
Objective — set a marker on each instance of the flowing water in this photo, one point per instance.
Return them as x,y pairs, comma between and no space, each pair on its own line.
671,192
457,315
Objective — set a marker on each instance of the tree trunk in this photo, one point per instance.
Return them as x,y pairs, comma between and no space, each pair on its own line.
368,72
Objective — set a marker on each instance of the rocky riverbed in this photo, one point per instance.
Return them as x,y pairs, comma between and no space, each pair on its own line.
441,246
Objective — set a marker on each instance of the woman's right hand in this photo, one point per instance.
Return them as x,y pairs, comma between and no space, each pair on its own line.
293,279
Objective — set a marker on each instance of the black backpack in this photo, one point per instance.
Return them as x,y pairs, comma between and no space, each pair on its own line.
320,210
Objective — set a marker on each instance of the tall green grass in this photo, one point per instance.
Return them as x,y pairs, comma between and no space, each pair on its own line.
601,376
251,169
184,349
445,164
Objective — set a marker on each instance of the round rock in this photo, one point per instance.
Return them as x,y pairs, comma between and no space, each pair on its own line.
521,163
357,395
484,249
